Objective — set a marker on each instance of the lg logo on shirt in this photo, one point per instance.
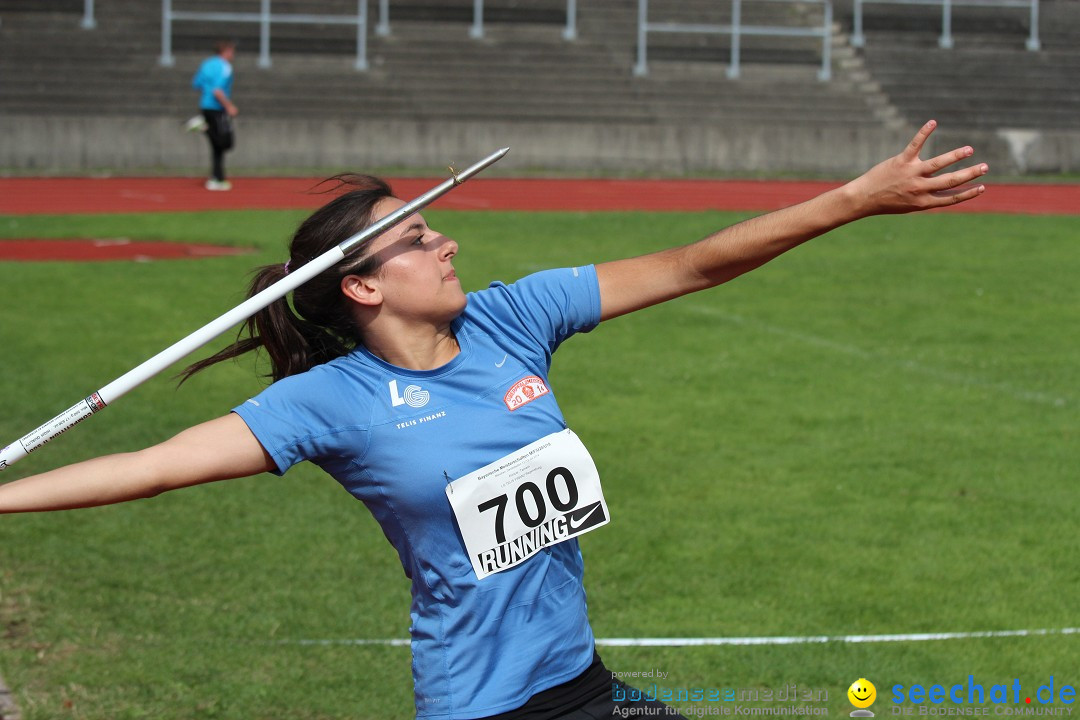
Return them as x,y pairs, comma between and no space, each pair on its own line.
413,395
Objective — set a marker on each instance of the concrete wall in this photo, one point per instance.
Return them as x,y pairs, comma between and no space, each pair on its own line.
65,144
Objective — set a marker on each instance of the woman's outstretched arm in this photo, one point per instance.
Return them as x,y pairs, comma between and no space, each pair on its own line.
901,184
219,449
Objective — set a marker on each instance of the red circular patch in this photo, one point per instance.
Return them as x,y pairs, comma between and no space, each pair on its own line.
90,250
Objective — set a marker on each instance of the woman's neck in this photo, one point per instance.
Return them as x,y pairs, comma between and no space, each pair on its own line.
419,349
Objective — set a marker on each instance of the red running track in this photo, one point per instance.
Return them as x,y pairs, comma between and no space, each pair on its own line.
29,196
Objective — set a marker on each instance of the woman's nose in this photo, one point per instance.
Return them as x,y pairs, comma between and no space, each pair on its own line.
449,248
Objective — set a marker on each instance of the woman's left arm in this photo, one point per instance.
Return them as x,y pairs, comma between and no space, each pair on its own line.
901,184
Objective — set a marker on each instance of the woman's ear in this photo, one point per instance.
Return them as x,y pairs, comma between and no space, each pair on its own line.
363,290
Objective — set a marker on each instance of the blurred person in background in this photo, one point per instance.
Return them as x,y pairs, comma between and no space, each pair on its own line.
214,83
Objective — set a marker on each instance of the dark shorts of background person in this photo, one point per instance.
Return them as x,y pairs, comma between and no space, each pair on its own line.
219,130
589,696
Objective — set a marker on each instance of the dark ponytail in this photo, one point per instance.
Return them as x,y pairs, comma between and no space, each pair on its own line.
317,326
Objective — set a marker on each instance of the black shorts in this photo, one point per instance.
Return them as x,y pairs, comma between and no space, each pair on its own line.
591,695
219,129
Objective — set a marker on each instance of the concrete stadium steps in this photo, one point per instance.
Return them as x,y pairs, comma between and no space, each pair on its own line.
305,99
1004,25
614,22
988,80
72,7
782,71
432,90
521,70
1003,92
535,11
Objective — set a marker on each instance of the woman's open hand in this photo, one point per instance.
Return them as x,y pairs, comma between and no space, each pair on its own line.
904,183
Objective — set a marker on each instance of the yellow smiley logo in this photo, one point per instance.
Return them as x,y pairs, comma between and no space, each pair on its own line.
862,693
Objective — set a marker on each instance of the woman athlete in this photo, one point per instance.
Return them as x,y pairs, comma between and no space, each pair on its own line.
432,407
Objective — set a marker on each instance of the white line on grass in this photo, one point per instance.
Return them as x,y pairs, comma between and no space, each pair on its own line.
780,640
911,365
806,639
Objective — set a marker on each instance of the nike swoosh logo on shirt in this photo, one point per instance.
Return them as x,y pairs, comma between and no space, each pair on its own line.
594,514
502,362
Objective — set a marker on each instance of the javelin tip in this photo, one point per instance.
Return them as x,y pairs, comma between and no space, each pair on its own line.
474,169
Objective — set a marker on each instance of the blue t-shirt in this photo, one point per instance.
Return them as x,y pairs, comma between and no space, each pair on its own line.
394,438
215,73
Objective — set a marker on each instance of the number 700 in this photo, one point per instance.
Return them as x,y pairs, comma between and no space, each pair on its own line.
539,499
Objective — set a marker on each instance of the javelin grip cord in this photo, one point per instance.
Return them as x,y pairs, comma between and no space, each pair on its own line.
140,374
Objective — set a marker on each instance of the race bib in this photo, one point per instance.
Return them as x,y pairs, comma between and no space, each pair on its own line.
537,496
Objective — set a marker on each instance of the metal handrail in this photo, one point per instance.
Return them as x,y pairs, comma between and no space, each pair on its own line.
945,40
736,29
265,18
88,21
476,30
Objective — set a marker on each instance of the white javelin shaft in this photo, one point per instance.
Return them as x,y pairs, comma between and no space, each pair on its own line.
140,374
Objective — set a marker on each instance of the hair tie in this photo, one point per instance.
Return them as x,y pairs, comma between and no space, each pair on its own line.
287,265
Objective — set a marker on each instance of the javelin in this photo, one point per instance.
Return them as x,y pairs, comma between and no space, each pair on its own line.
133,378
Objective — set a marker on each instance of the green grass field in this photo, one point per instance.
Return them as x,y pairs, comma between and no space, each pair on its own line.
877,433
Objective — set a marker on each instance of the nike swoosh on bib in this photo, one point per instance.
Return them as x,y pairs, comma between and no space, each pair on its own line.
585,517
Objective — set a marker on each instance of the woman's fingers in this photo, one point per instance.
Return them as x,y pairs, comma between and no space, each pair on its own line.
956,195
911,152
952,188
933,165
904,183
957,177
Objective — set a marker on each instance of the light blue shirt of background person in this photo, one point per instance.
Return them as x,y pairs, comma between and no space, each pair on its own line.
215,73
